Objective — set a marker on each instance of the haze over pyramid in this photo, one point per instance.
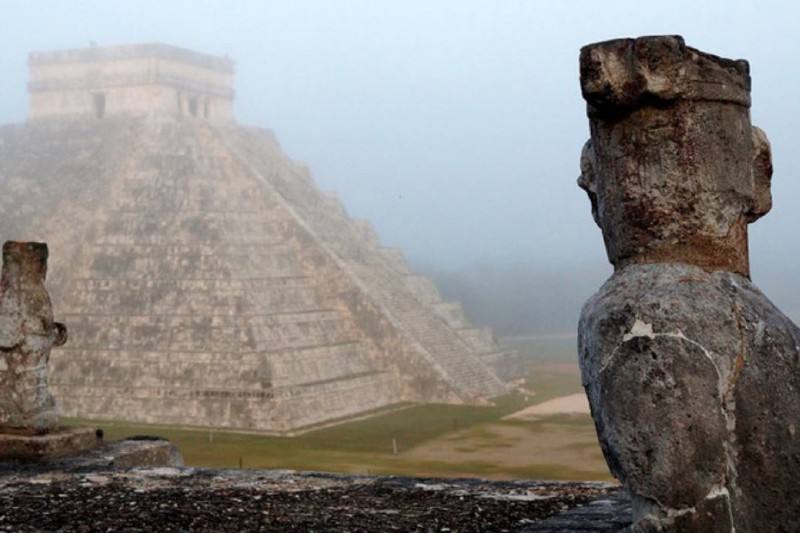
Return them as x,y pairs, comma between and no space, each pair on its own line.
203,278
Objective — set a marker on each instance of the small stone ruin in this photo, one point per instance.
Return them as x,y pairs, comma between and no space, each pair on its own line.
691,372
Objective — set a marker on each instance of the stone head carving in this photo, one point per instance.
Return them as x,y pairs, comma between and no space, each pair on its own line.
27,333
674,170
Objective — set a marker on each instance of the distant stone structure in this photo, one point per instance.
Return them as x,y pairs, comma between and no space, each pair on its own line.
206,281
691,372
154,80
27,332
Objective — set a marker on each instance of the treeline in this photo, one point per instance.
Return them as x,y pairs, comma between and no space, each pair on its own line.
525,299
520,298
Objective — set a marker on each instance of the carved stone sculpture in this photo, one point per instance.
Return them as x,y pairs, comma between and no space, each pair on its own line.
27,332
691,372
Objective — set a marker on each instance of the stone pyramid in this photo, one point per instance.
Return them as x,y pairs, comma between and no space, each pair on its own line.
203,278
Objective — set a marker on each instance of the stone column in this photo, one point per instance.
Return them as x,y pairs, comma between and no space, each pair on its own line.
691,372
27,332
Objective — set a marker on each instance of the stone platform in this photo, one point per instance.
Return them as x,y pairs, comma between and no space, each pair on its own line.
134,452
63,441
97,493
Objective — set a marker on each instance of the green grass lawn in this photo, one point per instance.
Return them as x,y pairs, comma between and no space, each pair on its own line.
431,439
547,363
358,445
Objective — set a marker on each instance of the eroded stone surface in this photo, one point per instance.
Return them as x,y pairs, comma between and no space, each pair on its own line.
187,499
671,164
691,372
27,332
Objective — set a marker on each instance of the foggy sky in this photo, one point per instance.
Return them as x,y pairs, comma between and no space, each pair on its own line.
454,126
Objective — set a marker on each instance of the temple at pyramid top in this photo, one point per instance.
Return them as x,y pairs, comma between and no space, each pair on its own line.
153,80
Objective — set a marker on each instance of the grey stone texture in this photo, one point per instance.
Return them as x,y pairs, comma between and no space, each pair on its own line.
206,281
691,372
27,333
94,492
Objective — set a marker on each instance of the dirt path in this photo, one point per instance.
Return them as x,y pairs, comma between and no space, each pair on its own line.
574,403
545,448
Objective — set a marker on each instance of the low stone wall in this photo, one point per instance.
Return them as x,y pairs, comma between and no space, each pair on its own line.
100,498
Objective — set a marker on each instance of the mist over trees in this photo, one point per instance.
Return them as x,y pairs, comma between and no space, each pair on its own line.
520,298
525,298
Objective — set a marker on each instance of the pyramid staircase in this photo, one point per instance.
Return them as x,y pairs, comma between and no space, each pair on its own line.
205,281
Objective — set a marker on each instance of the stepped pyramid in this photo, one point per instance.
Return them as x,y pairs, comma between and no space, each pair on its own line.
203,278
